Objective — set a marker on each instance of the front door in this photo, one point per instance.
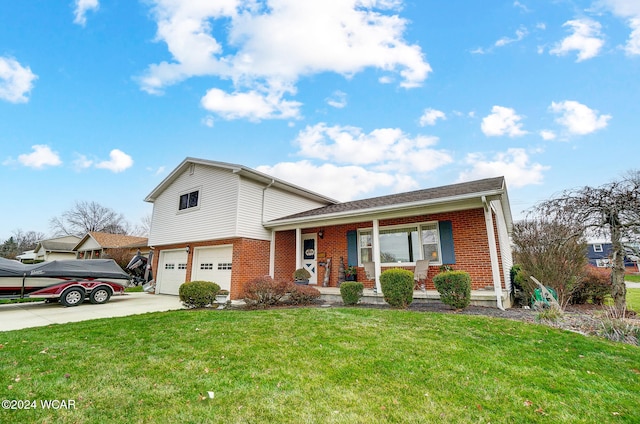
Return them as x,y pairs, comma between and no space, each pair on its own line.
309,255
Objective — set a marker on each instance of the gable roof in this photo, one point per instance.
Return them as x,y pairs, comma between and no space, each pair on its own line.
487,188
110,241
241,170
58,244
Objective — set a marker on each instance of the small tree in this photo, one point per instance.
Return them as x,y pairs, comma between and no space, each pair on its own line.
551,251
611,210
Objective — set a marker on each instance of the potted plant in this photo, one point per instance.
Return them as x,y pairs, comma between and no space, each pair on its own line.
351,273
222,296
301,276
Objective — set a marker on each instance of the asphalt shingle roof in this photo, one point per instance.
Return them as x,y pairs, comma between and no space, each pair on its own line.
453,190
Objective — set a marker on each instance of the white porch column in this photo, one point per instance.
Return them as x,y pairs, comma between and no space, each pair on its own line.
493,252
376,253
272,254
298,248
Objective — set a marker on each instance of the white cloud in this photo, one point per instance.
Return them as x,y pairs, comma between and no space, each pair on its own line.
118,162
387,149
251,105
339,182
547,135
338,99
430,116
42,156
16,81
82,162
633,45
630,10
503,120
520,34
586,39
514,165
578,118
81,9
523,7
208,121
268,46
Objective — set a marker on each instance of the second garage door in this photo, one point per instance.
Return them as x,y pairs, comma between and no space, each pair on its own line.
213,264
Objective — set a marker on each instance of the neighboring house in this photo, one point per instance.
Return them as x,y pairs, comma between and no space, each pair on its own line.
228,223
95,245
27,257
599,254
56,248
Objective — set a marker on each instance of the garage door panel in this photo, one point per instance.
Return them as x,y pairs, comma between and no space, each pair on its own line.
172,271
213,264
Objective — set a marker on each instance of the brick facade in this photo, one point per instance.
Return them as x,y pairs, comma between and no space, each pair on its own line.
470,240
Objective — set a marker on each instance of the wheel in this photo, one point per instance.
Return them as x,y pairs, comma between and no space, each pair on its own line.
100,295
72,297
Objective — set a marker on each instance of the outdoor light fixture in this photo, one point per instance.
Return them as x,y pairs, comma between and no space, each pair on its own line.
321,233
187,249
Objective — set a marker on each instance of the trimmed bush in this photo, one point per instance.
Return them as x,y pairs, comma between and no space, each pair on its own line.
351,292
302,295
454,288
264,291
198,294
397,287
594,288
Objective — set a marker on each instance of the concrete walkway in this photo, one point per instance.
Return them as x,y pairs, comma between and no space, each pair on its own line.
16,316
632,285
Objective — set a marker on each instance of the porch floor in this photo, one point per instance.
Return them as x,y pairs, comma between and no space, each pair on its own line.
486,298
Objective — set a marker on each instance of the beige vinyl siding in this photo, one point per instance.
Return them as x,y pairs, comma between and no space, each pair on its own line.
215,216
279,203
250,211
89,244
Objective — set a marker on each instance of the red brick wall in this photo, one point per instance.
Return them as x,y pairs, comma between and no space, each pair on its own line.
469,237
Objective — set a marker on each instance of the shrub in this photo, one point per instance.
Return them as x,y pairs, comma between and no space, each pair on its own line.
301,274
454,288
302,295
521,290
552,313
594,287
198,294
264,291
397,287
351,292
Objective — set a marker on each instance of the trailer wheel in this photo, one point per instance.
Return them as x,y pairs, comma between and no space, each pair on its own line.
72,297
100,295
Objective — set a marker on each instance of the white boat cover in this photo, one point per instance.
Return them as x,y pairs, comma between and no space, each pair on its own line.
75,268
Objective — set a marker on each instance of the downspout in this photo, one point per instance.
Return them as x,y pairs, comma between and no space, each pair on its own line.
272,244
376,253
493,252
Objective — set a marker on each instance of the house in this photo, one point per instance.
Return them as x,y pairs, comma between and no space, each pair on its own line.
97,245
599,254
227,223
27,257
56,248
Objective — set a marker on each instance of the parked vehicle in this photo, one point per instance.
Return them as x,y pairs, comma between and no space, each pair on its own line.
69,282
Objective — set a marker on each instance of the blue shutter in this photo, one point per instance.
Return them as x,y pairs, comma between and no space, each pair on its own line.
352,248
446,242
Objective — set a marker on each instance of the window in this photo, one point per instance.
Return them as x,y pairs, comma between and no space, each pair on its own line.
189,200
603,263
403,244
224,266
597,248
169,266
182,266
207,266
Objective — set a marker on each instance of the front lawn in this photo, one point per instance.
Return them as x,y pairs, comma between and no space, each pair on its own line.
632,278
317,365
633,300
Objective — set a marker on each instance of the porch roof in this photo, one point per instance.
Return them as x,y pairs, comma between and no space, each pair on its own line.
454,195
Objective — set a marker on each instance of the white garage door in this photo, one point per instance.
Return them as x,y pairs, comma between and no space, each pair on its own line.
172,270
213,264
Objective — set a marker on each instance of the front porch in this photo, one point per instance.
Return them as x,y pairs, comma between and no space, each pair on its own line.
486,298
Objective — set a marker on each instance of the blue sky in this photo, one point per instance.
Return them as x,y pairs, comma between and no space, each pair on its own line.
101,99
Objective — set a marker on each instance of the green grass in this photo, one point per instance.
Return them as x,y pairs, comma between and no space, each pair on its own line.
632,278
633,300
134,289
317,365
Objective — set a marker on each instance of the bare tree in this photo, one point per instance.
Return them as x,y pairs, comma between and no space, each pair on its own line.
611,210
20,242
87,217
551,251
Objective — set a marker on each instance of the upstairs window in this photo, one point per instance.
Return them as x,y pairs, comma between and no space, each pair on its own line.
597,248
189,200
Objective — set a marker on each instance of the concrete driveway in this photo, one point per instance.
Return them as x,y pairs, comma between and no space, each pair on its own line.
37,314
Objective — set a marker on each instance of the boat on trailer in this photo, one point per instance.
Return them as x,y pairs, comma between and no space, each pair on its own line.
68,281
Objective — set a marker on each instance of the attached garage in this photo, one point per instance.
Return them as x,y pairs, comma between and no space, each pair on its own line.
213,264
172,270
